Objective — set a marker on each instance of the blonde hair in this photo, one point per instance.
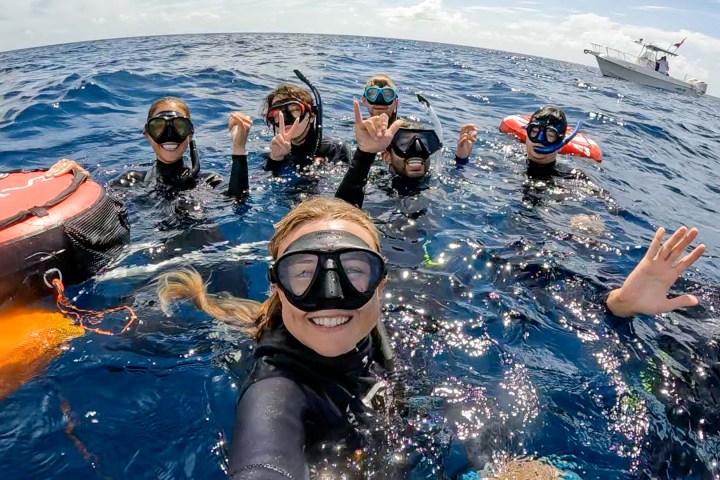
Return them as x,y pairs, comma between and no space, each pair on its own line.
380,80
252,317
523,468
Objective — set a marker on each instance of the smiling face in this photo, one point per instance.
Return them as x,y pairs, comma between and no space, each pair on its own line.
415,167
169,152
330,332
295,111
539,158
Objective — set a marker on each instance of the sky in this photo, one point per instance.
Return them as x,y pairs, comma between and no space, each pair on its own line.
558,29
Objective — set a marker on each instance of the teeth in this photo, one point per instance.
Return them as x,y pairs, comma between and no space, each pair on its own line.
330,321
170,146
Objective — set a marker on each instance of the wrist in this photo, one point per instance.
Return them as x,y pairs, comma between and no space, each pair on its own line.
618,305
239,151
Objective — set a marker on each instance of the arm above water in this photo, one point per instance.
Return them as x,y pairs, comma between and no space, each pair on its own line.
239,126
645,289
466,140
269,433
352,187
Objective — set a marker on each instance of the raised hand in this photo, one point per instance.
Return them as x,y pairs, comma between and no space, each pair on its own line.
63,166
645,289
466,140
239,125
373,134
281,143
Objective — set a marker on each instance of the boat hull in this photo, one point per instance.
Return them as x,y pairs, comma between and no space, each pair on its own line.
617,68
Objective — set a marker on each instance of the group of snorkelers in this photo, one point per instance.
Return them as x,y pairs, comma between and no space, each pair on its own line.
322,352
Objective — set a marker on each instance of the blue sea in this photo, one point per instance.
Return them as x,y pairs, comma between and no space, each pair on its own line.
494,297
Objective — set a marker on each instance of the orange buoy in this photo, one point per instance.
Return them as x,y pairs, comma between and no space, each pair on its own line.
29,340
580,146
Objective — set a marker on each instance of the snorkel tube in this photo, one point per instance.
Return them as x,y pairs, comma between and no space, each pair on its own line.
194,160
555,148
318,109
437,126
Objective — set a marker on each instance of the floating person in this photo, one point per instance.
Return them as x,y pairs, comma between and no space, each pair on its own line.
407,154
321,347
380,96
296,118
546,134
169,130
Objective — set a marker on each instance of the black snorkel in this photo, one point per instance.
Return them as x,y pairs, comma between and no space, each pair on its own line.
317,110
194,160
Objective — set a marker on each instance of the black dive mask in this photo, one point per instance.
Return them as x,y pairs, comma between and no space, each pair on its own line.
415,143
328,270
169,127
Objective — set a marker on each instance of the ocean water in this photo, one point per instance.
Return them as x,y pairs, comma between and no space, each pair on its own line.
493,294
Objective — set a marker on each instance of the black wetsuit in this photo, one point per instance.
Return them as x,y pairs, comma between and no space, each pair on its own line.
302,156
352,186
178,176
295,398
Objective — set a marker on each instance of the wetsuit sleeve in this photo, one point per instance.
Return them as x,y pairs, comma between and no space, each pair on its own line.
239,183
273,165
269,433
461,161
336,151
352,187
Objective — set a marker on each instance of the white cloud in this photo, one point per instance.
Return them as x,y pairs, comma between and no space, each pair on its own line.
427,10
545,32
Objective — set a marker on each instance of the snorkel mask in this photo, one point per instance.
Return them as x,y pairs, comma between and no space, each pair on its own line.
328,270
381,96
169,127
290,111
420,143
550,131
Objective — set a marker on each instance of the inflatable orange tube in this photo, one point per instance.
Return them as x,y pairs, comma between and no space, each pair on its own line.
29,340
580,146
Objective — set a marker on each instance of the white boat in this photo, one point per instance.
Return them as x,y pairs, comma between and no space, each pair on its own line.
641,68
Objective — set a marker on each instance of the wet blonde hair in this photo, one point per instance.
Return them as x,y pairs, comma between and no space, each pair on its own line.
523,468
184,109
252,317
380,80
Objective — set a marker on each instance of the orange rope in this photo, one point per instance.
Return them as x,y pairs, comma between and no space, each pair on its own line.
93,316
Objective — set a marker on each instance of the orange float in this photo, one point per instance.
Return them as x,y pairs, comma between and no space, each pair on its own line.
66,222
580,146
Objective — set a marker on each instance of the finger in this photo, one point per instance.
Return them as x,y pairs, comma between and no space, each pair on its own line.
369,126
397,125
358,115
468,127
690,258
294,130
281,125
684,242
654,247
683,301
671,242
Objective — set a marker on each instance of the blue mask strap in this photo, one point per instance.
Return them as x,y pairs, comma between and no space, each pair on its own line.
555,148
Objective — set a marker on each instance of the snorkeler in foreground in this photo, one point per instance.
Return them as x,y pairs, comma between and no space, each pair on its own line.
320,350
170,132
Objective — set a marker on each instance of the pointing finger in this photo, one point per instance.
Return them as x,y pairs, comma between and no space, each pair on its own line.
358,115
